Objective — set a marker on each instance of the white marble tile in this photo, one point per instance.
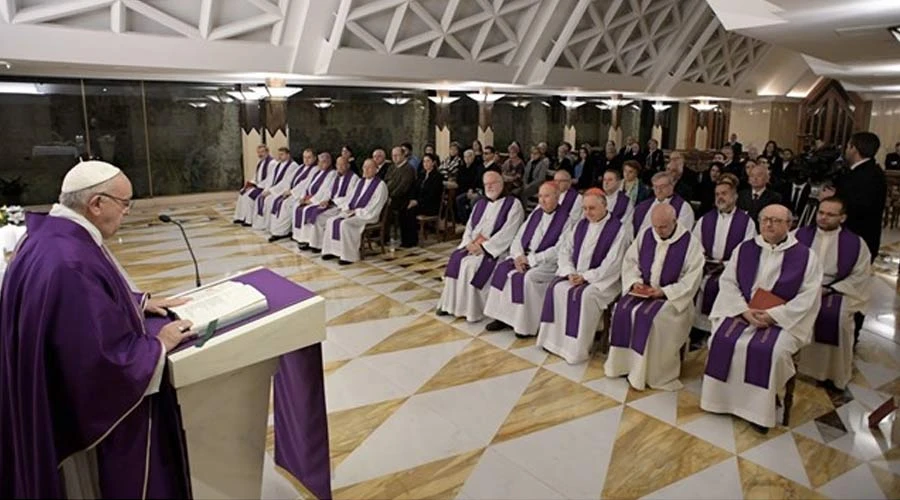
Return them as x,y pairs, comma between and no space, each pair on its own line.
274,485
859,440
888,465
496,477
333,352
616,388
719,482
386,286
407,296
695,386
409,369
336,307
574,373
358,384
473,329
780,455
357,338
532,353
858,483
568,457
810,430
717,430
663,405
498,339
423,305
877,375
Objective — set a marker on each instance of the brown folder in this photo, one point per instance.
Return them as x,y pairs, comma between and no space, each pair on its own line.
881,412
764,299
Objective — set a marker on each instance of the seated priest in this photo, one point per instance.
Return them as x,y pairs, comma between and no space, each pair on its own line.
720,231
617,200
86,405
493,224
569,198
309,235
588,280
343,231
661,272
845,290
519,282
282,176
663,194
246,200
283,205
318,191
769,295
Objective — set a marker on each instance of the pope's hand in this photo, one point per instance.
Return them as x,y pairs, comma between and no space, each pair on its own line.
158,306
175,333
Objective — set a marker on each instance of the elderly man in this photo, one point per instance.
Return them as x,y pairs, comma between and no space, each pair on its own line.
381,164
309,236
664,194
588,274
720,231
569,198
758,196
675,168
617,200
343,231
315,200
489,233
246,201
82,380
400,181
661,272
769,295
845,290
535,174
283,205
281,181
519,282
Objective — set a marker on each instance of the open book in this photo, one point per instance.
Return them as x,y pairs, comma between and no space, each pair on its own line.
219,306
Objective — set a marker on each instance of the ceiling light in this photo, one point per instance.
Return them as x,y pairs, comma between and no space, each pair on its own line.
520,103
603,107
571,103
615,102
244,95
198,105
5,65
704,106
442,100
277,92
895,31
545,103
659,107
19,88
486,98
323,103
397,100
222,99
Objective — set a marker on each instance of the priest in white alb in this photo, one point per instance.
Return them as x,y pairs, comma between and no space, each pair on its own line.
492,225
519,281
619,203
663,194
588,280
317,192
343,232
262,180
661,272
282,175
283,205
569,198
845,290
720,231
309,235
769,296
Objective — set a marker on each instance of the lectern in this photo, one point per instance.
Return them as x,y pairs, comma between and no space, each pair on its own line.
224,385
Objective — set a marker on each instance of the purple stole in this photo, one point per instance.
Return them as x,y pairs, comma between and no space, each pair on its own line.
621,205
301,174
254,192
568,200
488,262
360,199
261,200
828,322
736,233
554,230
641,209
635,334
573,305
309,213
762,346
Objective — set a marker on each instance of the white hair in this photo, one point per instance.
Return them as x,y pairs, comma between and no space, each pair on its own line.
78,200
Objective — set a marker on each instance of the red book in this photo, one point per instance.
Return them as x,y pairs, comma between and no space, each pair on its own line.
882,411
764,299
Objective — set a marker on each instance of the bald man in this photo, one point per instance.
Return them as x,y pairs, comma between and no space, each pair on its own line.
661,273
758,196
519,282
663,194
318,190
754,337
323,205
569,199
489,233
588,280
343,232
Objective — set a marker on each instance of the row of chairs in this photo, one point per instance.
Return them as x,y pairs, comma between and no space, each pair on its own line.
377,233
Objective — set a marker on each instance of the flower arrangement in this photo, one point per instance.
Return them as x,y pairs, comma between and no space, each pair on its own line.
13,214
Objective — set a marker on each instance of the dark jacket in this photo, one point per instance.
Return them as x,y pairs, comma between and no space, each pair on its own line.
655,161
864,190
469,177
787,197
892,161
400,180
427,192
754,207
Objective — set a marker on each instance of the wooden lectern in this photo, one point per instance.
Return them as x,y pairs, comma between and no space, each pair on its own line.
224,386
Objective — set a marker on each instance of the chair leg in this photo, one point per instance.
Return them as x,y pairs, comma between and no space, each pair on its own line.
788,400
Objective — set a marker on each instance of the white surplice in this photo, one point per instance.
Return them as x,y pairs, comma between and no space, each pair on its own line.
525,318
723,225
459,297
603,289
828,362
660,365
796,318
312,233
261,222
245,206
316,196
280,223
577,207
347,247
685,215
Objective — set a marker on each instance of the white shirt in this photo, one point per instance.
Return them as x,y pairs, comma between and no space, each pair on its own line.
860,162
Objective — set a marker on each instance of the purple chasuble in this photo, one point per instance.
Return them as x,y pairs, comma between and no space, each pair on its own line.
550,238
488,262
280,171
302,173
76,363
621,206
568,201
634,333
309,213
360,199
828,322
643,208
573,305
737,230
762,346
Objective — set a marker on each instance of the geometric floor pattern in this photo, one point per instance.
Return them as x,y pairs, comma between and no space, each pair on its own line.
422,406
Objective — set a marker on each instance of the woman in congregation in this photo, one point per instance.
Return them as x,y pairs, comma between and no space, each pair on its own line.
347,154
430,150
772,153
631,183
584,169
450,166
706,191
425,200
513,170
478,149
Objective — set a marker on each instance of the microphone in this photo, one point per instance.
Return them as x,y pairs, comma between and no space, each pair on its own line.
165,218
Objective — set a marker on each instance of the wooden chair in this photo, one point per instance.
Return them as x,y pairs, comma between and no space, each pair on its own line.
424,221
447,212
605,329
375,232
789,395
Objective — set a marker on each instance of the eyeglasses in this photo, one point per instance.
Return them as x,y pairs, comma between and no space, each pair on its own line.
772,220
126,204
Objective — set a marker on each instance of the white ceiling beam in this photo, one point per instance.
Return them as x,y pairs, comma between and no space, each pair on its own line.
449,12
497,50
373,8
766,50
162,18
415,41
247,25
535,69
676,50
394,27
7,10
478,43
468,22
278,28
49,12
267,7
366,37
117,17
665,87
326,54
460,49
522,29
205,24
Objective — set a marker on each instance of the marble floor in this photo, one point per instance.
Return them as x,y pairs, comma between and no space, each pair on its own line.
427,407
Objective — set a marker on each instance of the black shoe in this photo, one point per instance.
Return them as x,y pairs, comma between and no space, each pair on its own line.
441,312
343,262
315,250
303,246
521,336
238,221
760,429
329,257
496,326
273,238
245,224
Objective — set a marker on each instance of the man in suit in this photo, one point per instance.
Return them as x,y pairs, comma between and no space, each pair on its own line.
654,161
737,147
795,191
863,187
758,196
683,185
892,160
381,163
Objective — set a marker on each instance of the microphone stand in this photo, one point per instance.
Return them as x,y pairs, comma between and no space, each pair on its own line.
165,218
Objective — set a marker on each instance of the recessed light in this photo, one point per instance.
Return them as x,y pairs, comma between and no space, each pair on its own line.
5,65
105,89
895,31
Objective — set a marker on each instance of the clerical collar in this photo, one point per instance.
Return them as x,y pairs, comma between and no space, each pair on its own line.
827,231
860,162
776,245
727,213
64,212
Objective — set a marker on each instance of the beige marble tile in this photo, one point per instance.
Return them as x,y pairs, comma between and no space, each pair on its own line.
407,287
549,400
315,273
810,401
649,455
594,369
822,463
302,492
333,366
688,407
347,290
746,437
759,483
887,481
520,343
381,307
425,330
479,360
349,428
